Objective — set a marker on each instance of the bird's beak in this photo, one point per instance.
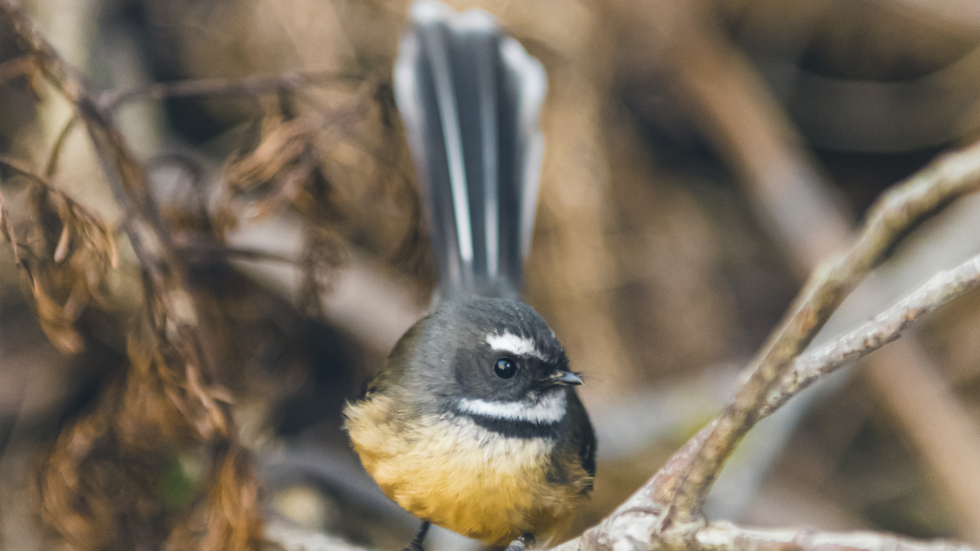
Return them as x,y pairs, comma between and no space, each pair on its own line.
563,378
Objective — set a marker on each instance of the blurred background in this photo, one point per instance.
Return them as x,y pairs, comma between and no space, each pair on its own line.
701,158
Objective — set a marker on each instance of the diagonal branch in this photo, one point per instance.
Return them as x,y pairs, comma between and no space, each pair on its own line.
899,210
883,329
665,511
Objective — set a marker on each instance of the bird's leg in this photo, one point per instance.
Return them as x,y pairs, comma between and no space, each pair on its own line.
519,543
416,544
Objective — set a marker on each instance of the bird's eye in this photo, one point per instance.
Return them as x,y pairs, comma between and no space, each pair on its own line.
505,368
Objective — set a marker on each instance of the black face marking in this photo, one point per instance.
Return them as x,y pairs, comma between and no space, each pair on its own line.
452,360
474,365
517,429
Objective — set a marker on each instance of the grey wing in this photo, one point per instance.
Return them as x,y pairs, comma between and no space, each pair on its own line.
584,436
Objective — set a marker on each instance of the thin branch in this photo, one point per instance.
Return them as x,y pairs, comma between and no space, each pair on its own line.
884,328
21,168
59,144
659,511
249,86
725,536
7,227
900,209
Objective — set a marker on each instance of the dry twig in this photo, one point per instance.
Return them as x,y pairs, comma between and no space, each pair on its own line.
883,329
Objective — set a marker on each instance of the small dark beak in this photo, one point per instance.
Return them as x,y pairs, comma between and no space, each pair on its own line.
562,378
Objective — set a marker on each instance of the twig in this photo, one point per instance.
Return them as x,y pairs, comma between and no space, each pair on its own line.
724,536
250,86
59,144
7,227
639,523
884,328
21,168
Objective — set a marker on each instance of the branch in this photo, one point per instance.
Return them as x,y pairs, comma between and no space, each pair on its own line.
639,524
899,210
666,510
883,329
736,112
725,536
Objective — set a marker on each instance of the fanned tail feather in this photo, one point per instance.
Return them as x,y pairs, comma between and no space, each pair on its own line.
469,96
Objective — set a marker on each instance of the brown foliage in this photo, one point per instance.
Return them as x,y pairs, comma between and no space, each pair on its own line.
101,486
66,252
164,421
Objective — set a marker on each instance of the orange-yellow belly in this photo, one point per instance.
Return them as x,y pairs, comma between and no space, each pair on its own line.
462,477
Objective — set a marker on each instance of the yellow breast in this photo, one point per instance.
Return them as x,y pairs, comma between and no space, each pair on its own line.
457,475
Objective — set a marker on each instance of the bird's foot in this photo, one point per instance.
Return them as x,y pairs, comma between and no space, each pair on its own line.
416,544
521,543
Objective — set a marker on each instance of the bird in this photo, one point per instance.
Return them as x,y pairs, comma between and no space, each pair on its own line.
473,422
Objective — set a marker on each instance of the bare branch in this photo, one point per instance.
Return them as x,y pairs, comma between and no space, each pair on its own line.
884,328
736,112
719,536
59,144
640,522
666,510
906,204
21,168
7,228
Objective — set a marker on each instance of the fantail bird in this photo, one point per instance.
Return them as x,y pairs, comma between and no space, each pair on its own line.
473,423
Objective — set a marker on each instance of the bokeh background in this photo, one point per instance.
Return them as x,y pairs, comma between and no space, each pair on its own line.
701,158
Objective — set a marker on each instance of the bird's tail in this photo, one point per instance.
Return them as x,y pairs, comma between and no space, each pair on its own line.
469,96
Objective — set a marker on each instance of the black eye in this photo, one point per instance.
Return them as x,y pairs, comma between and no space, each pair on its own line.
505,368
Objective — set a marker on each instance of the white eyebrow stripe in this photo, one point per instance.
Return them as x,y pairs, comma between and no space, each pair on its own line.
546,411
514,344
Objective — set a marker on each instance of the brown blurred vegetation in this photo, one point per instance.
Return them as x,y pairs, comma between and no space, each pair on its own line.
699,156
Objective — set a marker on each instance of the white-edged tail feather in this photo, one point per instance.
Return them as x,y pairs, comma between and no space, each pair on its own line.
470,97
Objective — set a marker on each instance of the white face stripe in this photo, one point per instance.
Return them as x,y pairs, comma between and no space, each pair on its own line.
514,344
549,409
